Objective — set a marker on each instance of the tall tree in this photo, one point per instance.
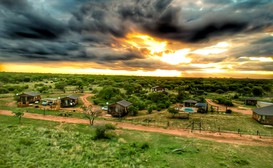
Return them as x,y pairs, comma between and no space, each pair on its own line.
257,91
91,113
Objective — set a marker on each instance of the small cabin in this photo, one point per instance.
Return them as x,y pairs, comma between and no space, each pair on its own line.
264,115
251,101
189,103
201,107
69,101
27,98
157,89
119,109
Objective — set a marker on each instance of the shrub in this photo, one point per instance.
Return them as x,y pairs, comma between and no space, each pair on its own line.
133,111
220,91
224,101
110,126
150,110
228,111
173,111
3,90
100,131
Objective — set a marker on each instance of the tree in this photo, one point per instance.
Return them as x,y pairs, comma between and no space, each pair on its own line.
18,114
257,91
60,86
90,113
173,111
133,110
108,92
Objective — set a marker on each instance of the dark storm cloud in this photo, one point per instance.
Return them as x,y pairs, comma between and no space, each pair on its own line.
251,3
218,1
257,48
195,31
118,57
155,17
40,50
155,64
205,25
97,18
256,66
164,20
15,5
32,26
264,40
20,20
92,27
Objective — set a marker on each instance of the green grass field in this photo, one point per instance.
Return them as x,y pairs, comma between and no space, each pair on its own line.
211,121
36,143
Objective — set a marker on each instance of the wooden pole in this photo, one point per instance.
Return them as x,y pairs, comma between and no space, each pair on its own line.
192,126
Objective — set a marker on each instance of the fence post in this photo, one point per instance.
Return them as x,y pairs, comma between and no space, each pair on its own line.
258,133
192,126
219,130
239,132
200,127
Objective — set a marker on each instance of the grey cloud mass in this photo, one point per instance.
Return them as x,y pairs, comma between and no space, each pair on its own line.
91,27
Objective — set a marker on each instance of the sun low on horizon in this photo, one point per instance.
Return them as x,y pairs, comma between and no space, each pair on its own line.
155,38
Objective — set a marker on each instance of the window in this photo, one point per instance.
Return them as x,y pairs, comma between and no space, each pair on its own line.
263,117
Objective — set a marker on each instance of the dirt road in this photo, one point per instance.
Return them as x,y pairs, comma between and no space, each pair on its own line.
84,99
234,109
224,137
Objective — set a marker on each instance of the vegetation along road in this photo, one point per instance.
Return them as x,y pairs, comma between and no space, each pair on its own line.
224,137
234,109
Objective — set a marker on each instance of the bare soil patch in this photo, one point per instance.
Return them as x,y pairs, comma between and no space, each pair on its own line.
234,109
206,135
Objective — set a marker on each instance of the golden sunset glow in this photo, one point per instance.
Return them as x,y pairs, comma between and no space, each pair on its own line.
219,48
146,38
177,57
145,41
262,59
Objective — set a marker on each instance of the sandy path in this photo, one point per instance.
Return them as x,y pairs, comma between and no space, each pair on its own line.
84,99
234,109
224,137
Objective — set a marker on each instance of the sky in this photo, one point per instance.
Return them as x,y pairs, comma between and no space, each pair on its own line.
183,38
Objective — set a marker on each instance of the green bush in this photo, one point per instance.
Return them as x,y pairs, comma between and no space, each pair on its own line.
133,111
100,131
150,110
110,126
228,111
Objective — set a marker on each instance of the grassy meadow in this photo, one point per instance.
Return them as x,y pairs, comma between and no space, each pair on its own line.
36,143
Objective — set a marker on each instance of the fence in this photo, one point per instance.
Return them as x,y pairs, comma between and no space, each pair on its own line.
199,126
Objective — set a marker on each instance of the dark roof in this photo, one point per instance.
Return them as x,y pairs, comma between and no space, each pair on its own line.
251,98
31,93
190,101
124,103
71,97
201,105
268,110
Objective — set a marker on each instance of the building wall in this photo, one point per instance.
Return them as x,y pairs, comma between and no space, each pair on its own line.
67,102
251,102
187,104
268,120
117,110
